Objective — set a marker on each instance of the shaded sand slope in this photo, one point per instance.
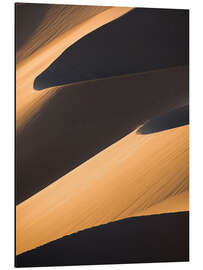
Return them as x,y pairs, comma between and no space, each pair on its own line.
141,40
133,174
171,119
85,118
27,19
158,238
46,46
39,17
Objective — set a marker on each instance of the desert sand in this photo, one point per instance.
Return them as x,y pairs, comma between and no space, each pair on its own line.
82,119
134,174
141,40
37,32
139,239
28,101
112,172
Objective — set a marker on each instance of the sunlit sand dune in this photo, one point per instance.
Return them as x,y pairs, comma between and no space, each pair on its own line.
61,18
174,203
45,47
140,174
147,239
120,48
84,118
102,149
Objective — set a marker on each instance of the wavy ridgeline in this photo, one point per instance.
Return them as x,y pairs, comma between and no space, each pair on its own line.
157,238
82,119
50,21
42,157
102,155
45,47
141,40
27,19
130,176
174,118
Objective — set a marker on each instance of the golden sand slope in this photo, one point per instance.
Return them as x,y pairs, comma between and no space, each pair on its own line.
62,18
175,203
137,173
28,101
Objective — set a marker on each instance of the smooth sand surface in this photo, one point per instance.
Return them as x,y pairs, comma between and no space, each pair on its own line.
29,101
82,119
146,239
139,41
172,119
136,174
175,203
36,32
27,20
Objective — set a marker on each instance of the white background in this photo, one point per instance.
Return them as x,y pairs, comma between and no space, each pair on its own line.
196,133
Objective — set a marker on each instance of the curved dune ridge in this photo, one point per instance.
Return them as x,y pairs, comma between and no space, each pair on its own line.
105,151
119,48
174,118
61,18
82,119
28,101
125,179
117,242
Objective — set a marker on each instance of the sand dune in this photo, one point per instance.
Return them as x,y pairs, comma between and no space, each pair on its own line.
174,203
174,118
140,239
120,47
28,101
125,179
103,150
62,18
82,119
27,19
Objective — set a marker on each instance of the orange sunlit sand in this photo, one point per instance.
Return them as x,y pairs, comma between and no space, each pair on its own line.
138,175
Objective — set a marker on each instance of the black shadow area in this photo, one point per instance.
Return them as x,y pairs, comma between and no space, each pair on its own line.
144,39
81,120
147,239
172,119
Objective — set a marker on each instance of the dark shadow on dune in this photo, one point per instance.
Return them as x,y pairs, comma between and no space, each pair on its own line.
83,119
27,18
156,238
142,40
172,119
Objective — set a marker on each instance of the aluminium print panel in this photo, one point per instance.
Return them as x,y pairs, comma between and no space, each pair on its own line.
102,135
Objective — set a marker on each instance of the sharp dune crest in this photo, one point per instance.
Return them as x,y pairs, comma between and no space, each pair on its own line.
120,48
175,203
29,101
81,120
62,18
102,151
137,173
124,237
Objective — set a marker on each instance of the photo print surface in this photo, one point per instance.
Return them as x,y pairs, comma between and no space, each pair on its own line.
102,135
